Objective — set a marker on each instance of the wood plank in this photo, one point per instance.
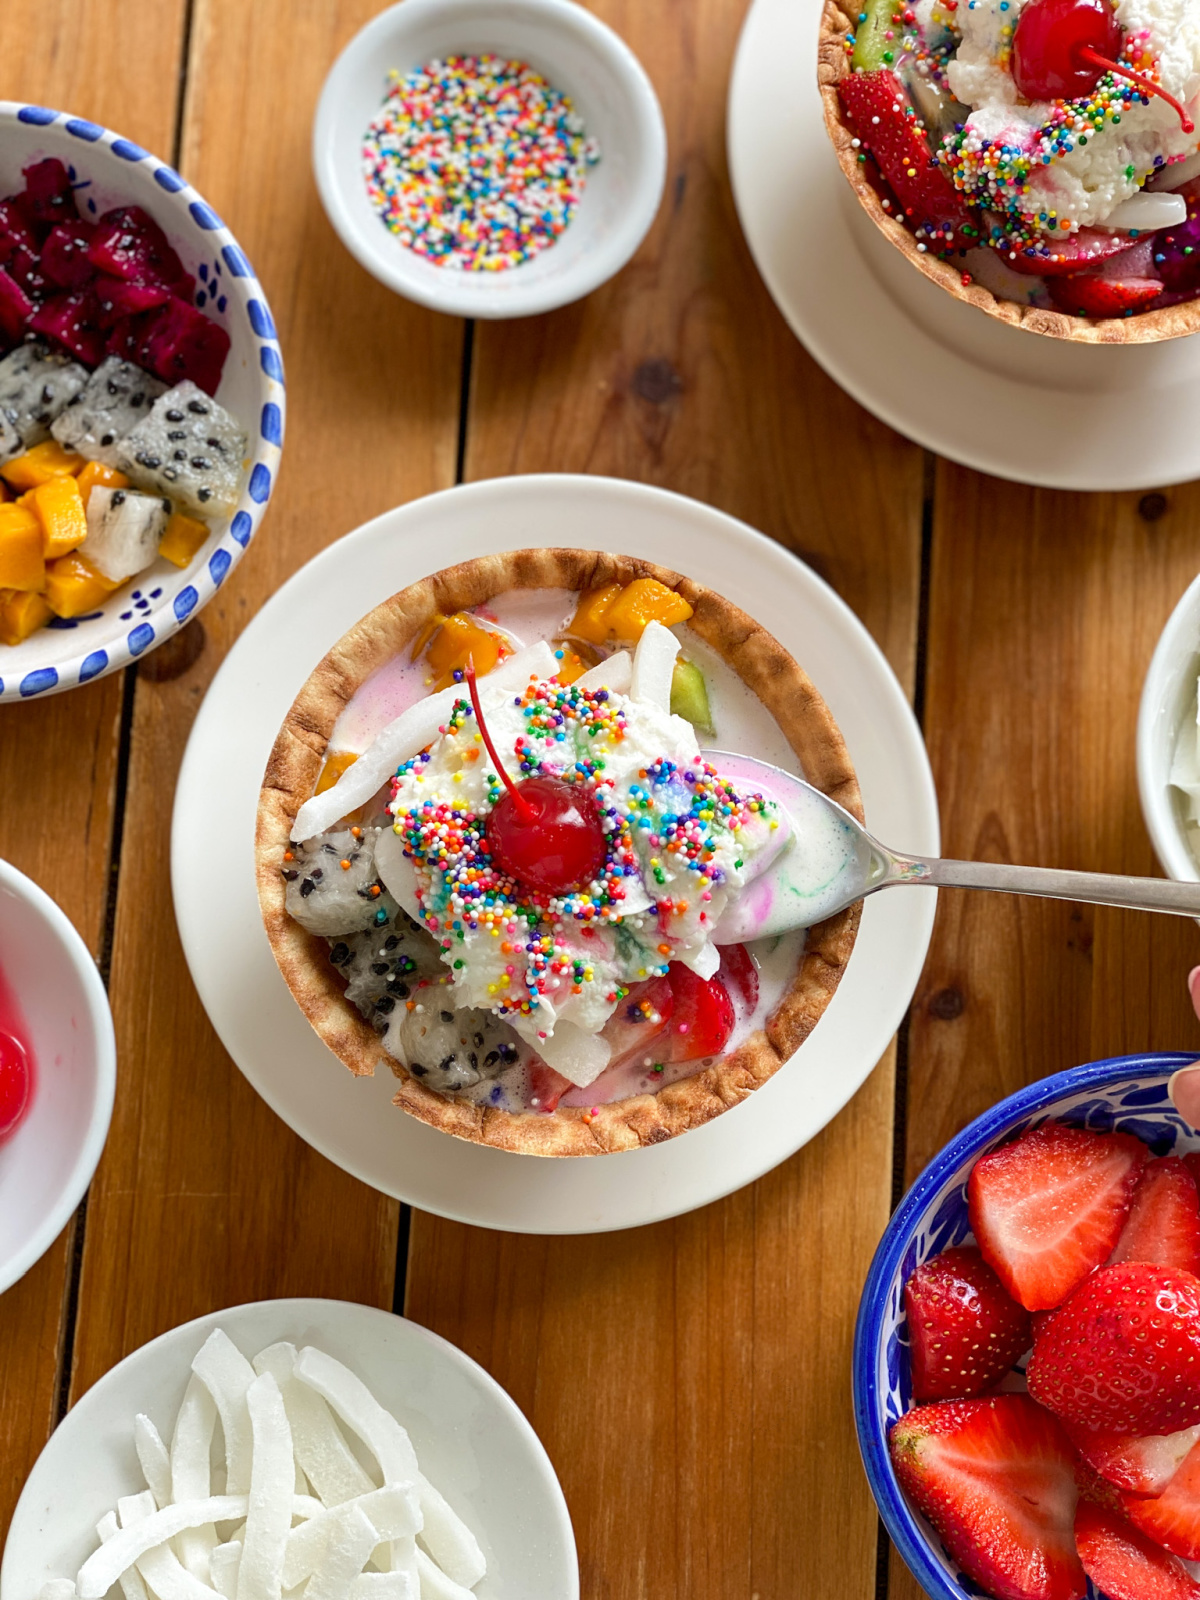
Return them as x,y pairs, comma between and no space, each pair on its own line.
1044,611
690,1379
204,1198
58,757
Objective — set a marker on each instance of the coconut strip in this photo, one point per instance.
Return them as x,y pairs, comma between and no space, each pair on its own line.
361,1412
102,1569
269,1513
227,1375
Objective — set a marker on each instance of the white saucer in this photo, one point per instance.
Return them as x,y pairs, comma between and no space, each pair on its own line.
351,1120
471,1439
950,377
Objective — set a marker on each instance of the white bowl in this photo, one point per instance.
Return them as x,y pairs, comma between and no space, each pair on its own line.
47,1162
471,1440
576,54
1168,696
110,171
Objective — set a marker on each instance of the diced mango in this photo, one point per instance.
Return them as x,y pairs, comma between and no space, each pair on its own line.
74,586
95,475
590,621
334,766
425,633
22,612
183,538
571,666
460,639
5,492
22,561
39,465
640,602
58,506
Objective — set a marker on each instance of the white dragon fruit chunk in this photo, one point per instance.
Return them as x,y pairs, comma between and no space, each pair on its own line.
189,448
36,384
124,528
330,900
114,400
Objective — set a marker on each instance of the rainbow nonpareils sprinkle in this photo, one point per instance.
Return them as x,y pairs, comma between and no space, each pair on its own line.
476,163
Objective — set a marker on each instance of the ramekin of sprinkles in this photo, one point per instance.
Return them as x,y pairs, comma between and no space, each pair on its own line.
476,163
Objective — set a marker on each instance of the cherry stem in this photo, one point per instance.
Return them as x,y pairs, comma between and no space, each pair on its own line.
1095,59
526,810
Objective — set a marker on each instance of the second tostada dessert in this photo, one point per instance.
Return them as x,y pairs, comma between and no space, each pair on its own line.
1038,159
492,856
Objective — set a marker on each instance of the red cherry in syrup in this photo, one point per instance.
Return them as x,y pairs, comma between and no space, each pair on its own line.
545,832
14,1082
1062,48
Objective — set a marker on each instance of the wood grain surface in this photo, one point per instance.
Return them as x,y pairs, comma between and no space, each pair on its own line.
690,1380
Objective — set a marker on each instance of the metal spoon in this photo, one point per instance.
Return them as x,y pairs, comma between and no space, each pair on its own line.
831,861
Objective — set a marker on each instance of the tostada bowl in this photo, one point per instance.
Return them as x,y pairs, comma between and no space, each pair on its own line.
137,612
1124,274
616,1090
1125,1094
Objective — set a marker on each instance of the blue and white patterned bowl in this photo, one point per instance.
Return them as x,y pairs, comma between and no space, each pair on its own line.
109,171
1128,1093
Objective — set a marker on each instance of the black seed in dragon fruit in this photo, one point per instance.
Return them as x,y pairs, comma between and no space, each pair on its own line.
333,901
123,530
114,400
190,449
36,384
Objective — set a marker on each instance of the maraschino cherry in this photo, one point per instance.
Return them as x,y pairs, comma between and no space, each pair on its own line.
544,832
1062,48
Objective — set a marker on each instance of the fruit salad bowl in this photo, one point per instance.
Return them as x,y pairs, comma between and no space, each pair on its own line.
1126,1094
106,172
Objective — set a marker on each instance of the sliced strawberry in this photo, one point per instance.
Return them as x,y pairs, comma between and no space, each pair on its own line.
1172,1519
1124,1563
1163,1226
1123,1352
1191,1161
1094,296
964,1330
739,973
996,1479
1073,252
546,1087
639,1019
1049,1207
1143,1465
890,129
702,1020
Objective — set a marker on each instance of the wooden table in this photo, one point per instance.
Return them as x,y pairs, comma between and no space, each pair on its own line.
690,1380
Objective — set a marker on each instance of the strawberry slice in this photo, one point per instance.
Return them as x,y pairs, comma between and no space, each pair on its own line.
1123,1352
639,1020
964,1331
546,1087
739,973
1072,252
1163,1226
1124,1563
1191,1161
996,1479
1173,1518
890,129
1049,1207
702,1020
1141,1465
1093,296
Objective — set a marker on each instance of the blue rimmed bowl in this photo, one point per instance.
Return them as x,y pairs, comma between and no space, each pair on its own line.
1127,1093
109,171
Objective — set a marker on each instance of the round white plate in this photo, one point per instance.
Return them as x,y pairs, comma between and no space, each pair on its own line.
471,1440
1015,404
351,1120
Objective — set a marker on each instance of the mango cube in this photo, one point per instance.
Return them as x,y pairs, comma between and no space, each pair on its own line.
571,666
96,475
58,506
590,621
183,538
39,465
643,601
22,560
74,586
21,613
334,766
459,640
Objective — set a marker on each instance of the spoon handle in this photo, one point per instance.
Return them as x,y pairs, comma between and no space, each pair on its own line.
1095,888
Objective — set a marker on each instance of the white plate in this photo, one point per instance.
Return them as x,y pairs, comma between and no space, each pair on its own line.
351,1120
472,1442
1015,404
